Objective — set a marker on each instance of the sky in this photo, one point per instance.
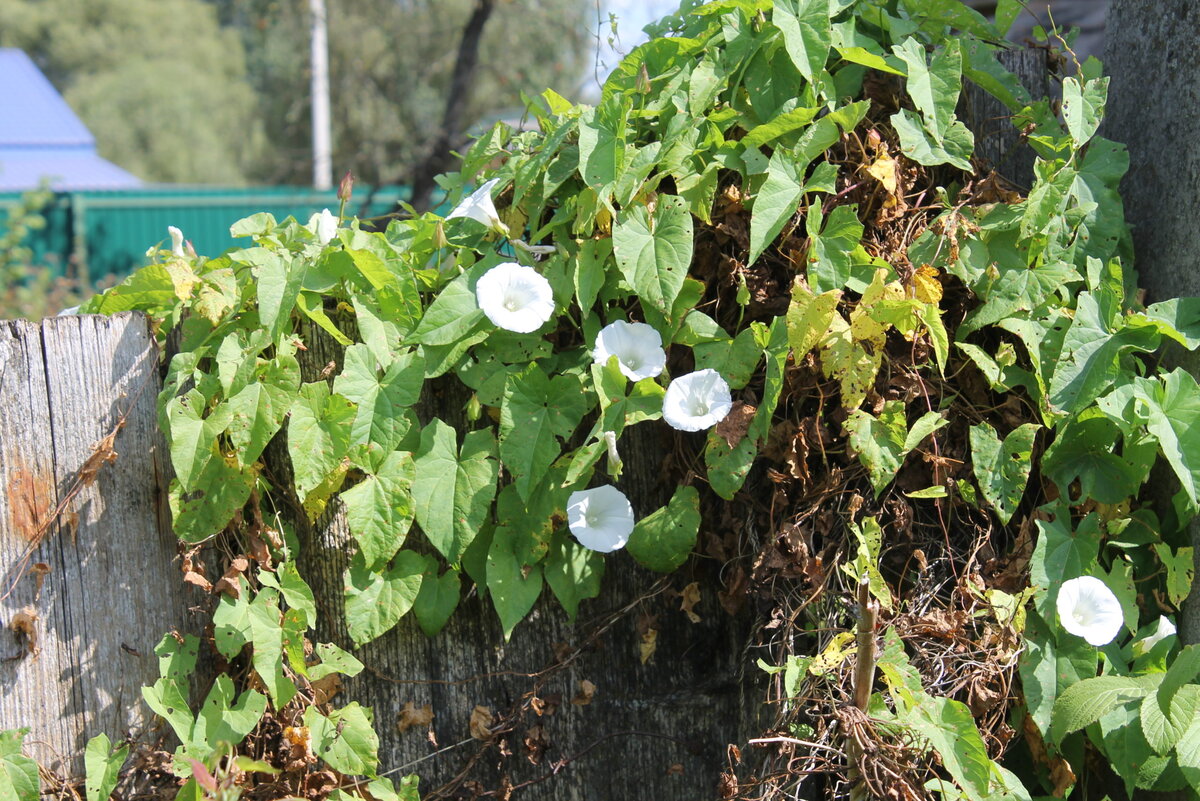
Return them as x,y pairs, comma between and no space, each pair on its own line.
632,16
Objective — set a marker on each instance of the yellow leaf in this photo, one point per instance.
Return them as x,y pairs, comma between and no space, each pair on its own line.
883,169
925,285
852,363
834,654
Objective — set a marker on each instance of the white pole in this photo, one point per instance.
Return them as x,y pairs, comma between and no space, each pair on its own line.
322,136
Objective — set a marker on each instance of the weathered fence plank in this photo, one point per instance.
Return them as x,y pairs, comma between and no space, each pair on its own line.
95,587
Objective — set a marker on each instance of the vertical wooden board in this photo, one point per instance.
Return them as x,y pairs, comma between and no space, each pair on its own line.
997,140
120,590
32,692
655,730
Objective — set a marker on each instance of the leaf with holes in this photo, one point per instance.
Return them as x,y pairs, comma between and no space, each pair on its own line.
1002,468
654,250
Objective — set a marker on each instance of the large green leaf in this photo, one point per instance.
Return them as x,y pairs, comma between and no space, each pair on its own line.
381,401
514,587
807,33
573,572
1164,722
1173,409
1002,468
193,436
1187,752
452,316
221,489
319,435
663,540
376,600
833,244
654,250
933,87
1083,107
536,412
919,144
379,510
776,201
1090,359
19,780
266,633
602,142
1085,702
882,442
101,765
345,739
1083,450
453,492
950,730
257,412
221,720
437,599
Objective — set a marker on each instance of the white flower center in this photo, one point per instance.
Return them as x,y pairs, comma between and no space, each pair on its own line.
511,303
699,408
592,519
1083,616
633,363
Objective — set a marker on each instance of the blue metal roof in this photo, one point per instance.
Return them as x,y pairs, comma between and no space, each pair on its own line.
42,138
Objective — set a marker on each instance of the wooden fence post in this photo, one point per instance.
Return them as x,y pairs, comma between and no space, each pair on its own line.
88,592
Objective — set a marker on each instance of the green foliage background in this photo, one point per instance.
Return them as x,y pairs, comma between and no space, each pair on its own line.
216,91
1016,317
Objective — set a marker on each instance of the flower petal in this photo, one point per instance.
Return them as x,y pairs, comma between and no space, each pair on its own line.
515,298
324,225
176,241
637,346
600,518
1088,608
479,206
697,401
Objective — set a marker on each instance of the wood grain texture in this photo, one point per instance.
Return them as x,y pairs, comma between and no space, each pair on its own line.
997,142
1154,109
655,730
111,591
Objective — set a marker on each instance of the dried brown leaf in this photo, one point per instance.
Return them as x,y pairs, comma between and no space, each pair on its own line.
688,600
24,625
411,716
481,723
586,691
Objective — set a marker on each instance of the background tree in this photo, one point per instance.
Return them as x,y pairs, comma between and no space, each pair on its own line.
192,91
391,65
160,83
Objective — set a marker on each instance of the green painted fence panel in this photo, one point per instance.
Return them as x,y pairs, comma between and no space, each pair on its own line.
93,235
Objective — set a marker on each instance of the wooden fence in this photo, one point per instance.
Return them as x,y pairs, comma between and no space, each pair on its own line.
86,549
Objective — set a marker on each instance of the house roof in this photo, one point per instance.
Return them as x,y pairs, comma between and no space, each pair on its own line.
41,138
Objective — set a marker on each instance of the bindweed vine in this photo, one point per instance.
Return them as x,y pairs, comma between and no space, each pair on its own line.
771,220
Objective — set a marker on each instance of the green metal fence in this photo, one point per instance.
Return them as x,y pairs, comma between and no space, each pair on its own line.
92,235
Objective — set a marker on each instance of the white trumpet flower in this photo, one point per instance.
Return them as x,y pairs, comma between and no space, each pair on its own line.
515,297
1164,630
1088,608
601,518
478,206
697,401
324,225
637,346
614,456
176,242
